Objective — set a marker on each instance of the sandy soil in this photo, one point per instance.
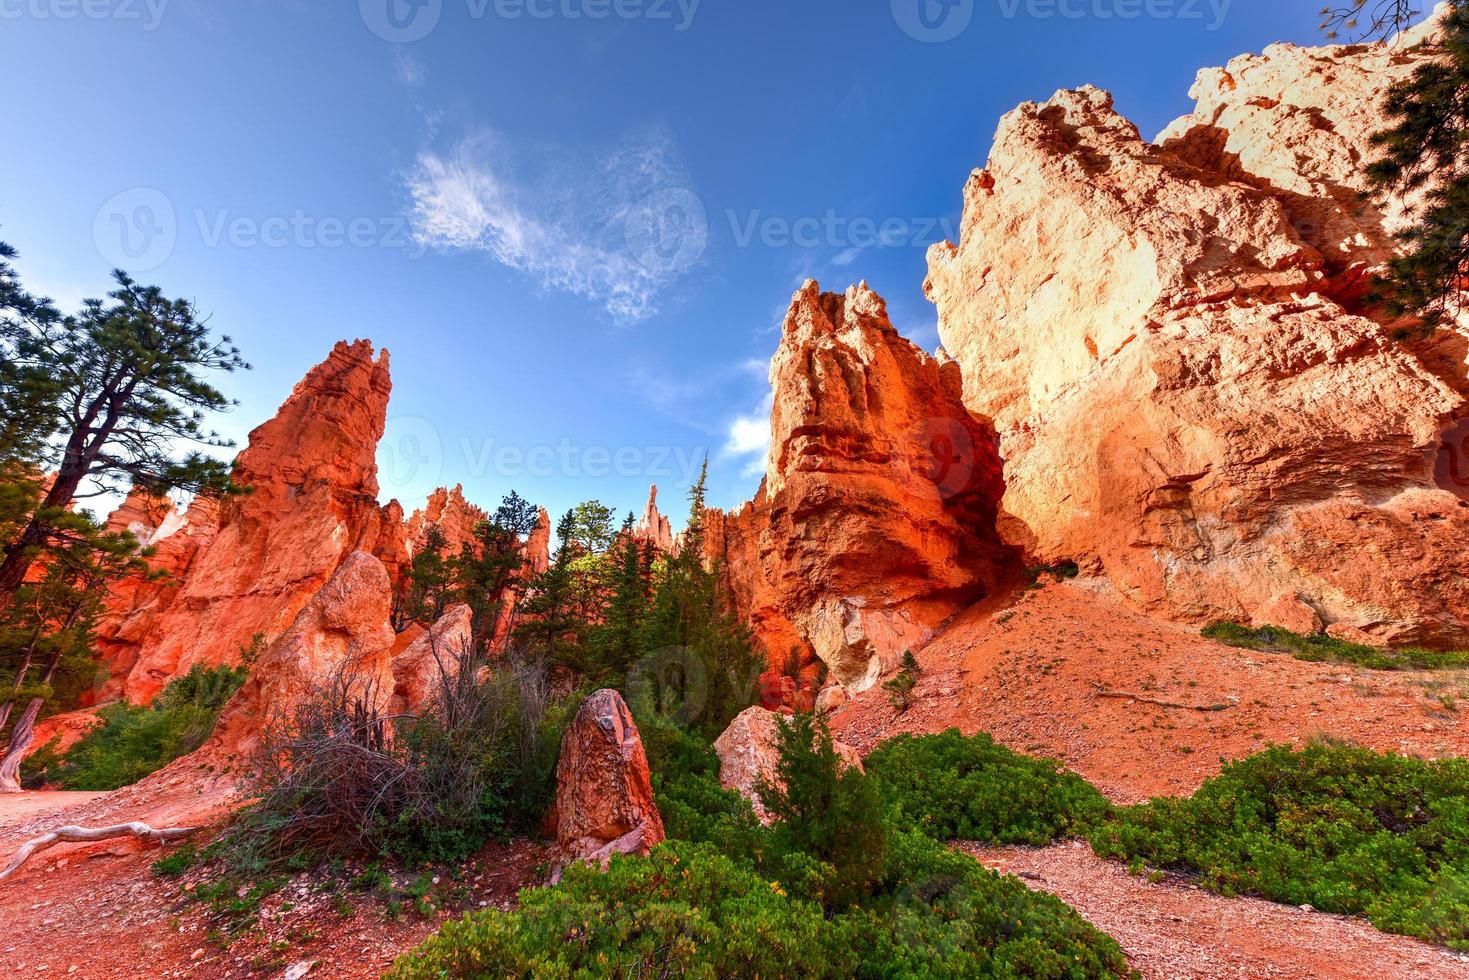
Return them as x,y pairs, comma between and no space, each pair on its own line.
98,911
18,808
1172,929
1068,671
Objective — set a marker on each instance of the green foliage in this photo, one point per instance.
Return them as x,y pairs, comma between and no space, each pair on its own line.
1425,150
1328,649
1341,828
694,805
426,588
971,788
132,742
826,810
486,566
338,779
177,862
688,910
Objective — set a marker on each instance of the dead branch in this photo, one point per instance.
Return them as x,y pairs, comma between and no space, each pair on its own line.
1128,696
67,835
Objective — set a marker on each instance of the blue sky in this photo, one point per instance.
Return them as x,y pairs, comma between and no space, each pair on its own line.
575,223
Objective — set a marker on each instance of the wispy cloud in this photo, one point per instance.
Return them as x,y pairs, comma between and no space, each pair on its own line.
749,438
616,228
407,69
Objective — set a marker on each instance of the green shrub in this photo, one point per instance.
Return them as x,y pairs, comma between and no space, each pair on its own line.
950,786
822,809
688,910
1328,649
694,805
1343,829
132,742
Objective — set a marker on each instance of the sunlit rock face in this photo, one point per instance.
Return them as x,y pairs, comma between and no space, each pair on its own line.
875,521
245,567
1171,338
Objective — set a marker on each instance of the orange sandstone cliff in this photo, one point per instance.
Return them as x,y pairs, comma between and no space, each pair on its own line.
1171,341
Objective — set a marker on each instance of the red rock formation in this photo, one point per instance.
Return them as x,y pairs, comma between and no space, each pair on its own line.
313,502
653,527
875,522
416,670
604,792
1180,400
454,516
749,751
342,632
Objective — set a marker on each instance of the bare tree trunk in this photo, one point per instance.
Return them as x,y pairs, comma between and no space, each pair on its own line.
82,834
20,741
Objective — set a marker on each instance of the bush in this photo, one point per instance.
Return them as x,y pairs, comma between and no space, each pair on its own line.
1328,649
950,786
1340,828
694,805
826,811
133,742
338,778
688,910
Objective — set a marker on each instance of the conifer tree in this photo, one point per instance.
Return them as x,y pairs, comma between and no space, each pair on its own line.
485,568
128,382
1427,150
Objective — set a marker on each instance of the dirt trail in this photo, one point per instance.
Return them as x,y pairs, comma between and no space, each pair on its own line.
1172,930
20,808
1050,673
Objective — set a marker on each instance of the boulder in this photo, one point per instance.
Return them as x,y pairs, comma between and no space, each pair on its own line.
748,753
416,670
604,791
343,634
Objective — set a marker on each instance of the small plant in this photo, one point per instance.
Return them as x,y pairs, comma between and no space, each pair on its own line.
1059,571
177,862
900,690
1321,648
133,742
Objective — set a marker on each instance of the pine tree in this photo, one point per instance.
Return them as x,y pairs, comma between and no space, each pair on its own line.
426,586
555,626
128,378
486,567
1427,150
617,641
1366,20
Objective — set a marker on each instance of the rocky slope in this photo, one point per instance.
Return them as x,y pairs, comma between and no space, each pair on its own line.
1168,337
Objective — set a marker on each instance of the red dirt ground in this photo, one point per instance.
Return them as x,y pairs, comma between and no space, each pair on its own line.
1172,929
1043,675
97,910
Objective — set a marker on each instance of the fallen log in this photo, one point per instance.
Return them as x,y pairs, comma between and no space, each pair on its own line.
70,835
1141,699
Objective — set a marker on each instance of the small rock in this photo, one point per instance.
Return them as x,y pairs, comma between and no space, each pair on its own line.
298,970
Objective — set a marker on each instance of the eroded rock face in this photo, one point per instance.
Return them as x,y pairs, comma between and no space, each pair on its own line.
454,516
1182,398
604,792
251,563
654,527
342,632
749,752
876,519
416,670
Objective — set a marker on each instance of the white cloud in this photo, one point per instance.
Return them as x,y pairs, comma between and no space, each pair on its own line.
749,436
407,69
616,228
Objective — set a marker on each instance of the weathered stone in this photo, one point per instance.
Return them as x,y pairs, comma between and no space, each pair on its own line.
749,751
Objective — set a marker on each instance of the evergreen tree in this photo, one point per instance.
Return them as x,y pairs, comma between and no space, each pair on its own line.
690,615
485,568
556,627
618,640
1367,20
1427,150
426,590
128,379
45,632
